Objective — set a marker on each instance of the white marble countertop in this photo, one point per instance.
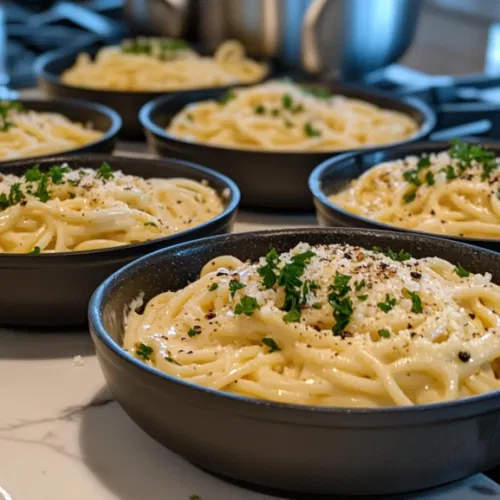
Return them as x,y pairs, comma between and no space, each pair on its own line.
62,437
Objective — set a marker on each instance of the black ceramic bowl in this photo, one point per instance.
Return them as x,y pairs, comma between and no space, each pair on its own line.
267,179
101,117
51,65
54,289
283,446
334,174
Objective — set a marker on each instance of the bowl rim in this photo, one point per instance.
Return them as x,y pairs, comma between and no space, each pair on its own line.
98,300
43,60
326,166
429,123
232,203
80,104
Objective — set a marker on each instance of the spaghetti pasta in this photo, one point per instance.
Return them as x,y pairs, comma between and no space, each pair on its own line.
281,116
330,325
151,64
26,133
456,192
64,210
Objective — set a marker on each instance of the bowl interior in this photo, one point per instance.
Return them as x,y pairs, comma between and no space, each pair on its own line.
334,175
173,268
157,114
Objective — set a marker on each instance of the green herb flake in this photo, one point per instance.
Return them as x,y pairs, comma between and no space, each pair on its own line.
409,196
416,302
460,271
195,330
317,305
190,117
152,224
429,178
4,201
56,173
235,285
6,107
105,172
143,351
227,96
358,285
15,194
292,316
310,131
387,305
42,192
340,284
450,172
362,297
33,174
384,333
72,196
247,306
401,256
213,287
170,359
260,109
319,93
423,162
271,343
411,176
287,101
36,251
269,272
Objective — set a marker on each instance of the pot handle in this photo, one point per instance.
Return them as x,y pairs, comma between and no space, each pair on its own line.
313,60
466,119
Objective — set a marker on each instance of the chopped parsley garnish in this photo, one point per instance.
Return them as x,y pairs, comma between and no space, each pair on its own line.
358,285
36,251
227,96
460,271
269,272
170,359
287,101
362,297
260,109
416,302
42,193
342,305
196,330
15,194
384,333
292,316
56,173
411,176
319,93
429,178
152,224
4,201
143,351
5,108
409,196
160,48
450,172
401,256
387,305
317,305
235,285
247,306
310,131
33,174
498,195
423,162
289,278
190,117
213,287
271,343
340,284
288,124
72,195
105,172
465,154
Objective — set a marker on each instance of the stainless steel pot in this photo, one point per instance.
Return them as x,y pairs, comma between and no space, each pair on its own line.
351,37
